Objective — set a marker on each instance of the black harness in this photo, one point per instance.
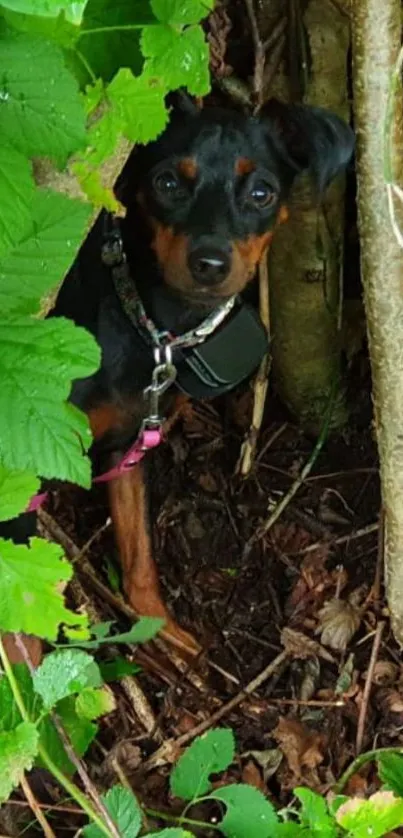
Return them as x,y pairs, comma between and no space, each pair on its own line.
207,361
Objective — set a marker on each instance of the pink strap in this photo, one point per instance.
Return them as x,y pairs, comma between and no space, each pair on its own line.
144,442
36,501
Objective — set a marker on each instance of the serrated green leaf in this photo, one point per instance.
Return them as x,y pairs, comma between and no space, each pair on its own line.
181,11
73,9
248,812
124,811
39,430
314,813
30,600
141,632
42,111
180,57
103,136
139,102
45,252
93,703
63,673
371,818
90,181
16,490
390,770
18,749
16,196
80,731
208,754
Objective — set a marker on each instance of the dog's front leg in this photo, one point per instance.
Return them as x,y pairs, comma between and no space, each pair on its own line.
129,508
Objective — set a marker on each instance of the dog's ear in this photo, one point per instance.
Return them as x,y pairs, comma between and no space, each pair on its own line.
314,139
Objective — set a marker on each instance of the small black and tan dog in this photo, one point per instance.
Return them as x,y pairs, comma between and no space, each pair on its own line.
162,291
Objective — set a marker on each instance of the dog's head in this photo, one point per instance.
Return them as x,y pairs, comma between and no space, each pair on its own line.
215,185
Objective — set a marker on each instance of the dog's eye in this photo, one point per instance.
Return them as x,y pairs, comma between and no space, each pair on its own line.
262,195
167,183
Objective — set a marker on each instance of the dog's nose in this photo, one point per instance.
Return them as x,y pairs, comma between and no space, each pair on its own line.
209,265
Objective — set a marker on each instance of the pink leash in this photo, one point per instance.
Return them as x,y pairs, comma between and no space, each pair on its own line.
146,441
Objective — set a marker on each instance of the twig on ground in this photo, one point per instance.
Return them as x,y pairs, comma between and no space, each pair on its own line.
299,702
36,809
261,381
170,748
281,506
85,568
367,689
272,65
343,539
259,57
79,766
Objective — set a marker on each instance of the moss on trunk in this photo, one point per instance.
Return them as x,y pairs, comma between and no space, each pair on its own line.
306,254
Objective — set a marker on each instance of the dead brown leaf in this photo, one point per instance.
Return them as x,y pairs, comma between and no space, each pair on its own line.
338,622
301,746
269,760
385,673
298,645
252,776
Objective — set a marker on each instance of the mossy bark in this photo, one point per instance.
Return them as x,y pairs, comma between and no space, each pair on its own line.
306,253
376,30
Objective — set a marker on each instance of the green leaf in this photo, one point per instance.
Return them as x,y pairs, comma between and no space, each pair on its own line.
55,29
73,9
390,770
39,430
18,749
93,703
42,111
371,818
248,812
140,106
63,673
16,490
124,811
314,813
30,599
208,754
181,58
181,11
117,669
104,50
44,254
80,731
173,832
141,632
16,195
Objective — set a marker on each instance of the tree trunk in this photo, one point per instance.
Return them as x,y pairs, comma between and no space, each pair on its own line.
306,254
376,43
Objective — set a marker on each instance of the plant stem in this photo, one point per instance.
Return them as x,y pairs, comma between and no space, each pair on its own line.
86,65
176,819
124,27
359,762
67,784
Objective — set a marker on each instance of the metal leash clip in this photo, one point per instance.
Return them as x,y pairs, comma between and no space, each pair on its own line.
164,374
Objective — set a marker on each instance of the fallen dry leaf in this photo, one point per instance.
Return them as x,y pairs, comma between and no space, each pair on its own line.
252,776
389,701
338,622
385,673
269,760
301,747
298,645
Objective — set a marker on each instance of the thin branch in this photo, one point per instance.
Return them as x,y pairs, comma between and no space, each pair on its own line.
172,746
367,689
35,807
259,57
78,764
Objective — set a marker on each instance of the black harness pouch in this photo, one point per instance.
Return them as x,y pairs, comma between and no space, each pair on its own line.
226,358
